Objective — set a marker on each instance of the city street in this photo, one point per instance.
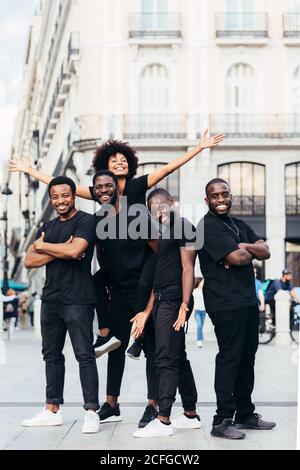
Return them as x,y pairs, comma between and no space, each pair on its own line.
22,393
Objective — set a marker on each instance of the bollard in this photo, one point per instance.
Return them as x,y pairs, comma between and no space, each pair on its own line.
37,318
282,317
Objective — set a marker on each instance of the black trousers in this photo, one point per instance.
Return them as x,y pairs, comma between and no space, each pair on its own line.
237,336
125,304
102,285
56,320
172,366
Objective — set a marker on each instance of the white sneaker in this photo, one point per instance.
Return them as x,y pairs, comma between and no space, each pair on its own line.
182,422
91,423
154,429
44,418
107,345
199,344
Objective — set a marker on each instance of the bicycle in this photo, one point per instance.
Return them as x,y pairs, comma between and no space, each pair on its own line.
267,328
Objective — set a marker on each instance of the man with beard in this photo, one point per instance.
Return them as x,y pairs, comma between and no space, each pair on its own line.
65,246
229,248
122,252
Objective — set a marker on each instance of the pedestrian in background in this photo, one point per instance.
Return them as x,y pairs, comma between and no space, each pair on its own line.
31,308
199,309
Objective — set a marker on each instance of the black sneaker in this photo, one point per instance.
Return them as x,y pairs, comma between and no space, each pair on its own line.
135,350
109,414
227,430
149,415
255,422
105,344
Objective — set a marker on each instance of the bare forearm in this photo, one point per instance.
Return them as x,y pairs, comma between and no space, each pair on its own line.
61,250
38,175
157,176
33,259
188,280
259,251
150,304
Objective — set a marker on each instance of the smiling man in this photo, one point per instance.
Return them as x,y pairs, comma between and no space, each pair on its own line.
122,248
229,248
65,246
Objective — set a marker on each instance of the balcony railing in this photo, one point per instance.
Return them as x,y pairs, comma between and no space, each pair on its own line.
249,205
155,24
73,45
253,25
291,25
292,204
256,125
155,126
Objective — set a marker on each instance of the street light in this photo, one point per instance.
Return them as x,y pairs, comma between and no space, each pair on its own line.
6,191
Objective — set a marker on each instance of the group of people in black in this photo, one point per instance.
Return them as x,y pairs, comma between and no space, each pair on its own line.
146,254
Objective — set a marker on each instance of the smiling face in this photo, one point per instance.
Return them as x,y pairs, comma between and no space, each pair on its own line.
160,207
219,198
62,199
118,165
105,189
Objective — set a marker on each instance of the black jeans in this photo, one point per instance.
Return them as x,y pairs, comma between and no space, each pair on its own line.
103,285
56,320
237,335
125,304
172,366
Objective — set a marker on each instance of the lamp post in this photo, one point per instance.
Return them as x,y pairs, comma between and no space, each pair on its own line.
6,191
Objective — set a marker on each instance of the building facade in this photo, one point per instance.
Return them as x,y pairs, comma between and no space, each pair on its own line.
156,73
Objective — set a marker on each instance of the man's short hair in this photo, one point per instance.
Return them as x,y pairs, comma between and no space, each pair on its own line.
215,181
286,271
105,173
158,192
62,180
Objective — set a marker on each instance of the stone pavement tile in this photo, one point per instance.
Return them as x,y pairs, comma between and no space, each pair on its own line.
181,440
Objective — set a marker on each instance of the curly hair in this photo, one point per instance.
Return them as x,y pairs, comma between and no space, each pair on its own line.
112,147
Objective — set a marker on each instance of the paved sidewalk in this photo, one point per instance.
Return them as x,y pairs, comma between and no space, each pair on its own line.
22,386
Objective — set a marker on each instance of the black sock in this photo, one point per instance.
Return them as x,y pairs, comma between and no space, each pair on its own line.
166,424
191,417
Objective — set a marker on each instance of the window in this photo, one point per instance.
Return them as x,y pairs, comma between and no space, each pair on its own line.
171,184
292,189
239,6
296,91
240,87
154,14
155,89
154,6
247,182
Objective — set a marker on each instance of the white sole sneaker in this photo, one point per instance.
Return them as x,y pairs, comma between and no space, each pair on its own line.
112,419
111,345
133,357
182,422
45,418
91,424
154,429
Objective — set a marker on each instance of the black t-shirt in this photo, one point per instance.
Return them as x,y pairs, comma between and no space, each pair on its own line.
135,190
168,271
123,256
225,289
70,281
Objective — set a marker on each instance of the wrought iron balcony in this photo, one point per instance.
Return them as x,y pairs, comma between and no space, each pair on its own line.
155,25
155,126
242,25
256,126
73,46
291,25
